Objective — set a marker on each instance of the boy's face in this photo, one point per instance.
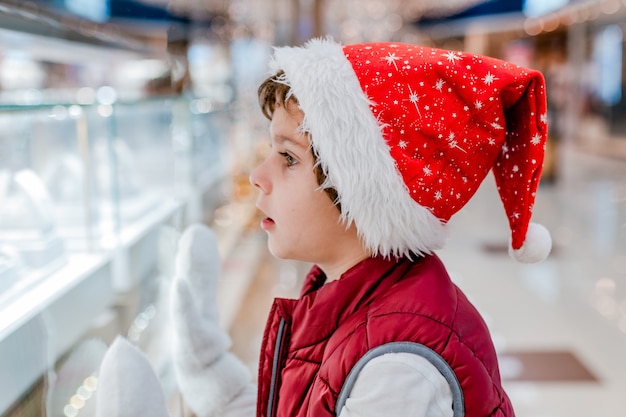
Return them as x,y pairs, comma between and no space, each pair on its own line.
302,222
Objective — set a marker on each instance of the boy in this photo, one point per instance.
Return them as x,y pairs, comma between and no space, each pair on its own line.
374,148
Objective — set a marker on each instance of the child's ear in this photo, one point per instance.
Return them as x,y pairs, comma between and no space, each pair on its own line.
127,384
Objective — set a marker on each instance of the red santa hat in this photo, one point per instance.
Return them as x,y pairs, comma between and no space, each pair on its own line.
406,134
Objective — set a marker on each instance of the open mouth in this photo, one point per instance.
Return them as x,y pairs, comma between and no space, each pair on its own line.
267,223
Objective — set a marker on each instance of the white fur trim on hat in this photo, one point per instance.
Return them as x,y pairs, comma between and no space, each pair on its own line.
353,153
536,247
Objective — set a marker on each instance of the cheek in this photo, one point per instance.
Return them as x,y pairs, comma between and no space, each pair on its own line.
311,211
327,215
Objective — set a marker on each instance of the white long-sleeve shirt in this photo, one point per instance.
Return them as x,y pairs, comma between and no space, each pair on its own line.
391,385
399,384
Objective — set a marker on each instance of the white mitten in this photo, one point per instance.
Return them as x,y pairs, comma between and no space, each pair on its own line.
208,376
127,384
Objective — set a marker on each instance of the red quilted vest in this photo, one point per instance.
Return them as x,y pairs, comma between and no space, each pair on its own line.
311,344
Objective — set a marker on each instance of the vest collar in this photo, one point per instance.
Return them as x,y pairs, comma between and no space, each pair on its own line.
370,267
322,307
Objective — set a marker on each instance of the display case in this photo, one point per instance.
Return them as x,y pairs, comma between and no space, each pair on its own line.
90,198
107,151
88,178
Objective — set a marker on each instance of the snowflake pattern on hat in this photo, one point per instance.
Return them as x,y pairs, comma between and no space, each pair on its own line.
445,123
446,118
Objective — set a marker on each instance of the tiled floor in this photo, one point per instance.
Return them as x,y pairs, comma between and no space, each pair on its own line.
559,326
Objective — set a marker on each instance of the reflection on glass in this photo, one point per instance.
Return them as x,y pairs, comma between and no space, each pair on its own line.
117,169
120,182
26,221
10,263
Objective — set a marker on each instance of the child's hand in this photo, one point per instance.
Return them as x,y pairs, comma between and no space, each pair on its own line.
193,297
208,376
127,384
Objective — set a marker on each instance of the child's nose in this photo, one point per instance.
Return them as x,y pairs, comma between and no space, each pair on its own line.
256,178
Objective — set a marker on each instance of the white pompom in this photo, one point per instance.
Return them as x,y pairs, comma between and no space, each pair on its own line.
536,247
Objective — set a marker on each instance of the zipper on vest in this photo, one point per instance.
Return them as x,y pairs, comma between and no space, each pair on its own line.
271,402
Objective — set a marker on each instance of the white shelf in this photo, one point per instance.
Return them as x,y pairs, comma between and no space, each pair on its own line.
48,316
135,247
39,325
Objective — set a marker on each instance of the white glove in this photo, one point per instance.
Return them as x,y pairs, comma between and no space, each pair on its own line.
127,384
208,376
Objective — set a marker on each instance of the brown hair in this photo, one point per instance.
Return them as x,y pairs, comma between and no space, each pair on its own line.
273,92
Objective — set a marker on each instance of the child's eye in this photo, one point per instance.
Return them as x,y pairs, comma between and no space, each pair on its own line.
290,160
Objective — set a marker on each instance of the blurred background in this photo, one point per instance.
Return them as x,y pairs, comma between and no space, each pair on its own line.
124,121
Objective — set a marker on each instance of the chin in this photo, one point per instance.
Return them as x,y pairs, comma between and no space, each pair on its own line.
277,251
281,252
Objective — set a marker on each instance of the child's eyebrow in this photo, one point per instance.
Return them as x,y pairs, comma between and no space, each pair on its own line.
281,139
